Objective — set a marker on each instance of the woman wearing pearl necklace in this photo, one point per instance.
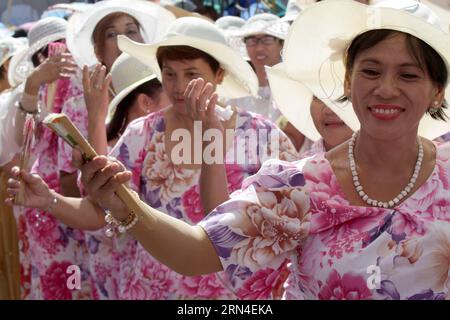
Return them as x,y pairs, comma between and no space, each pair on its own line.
393,59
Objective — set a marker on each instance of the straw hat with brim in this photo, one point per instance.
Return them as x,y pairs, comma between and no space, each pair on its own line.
42,33
239,79
231,28
230,23
297,111
128,73
153,19
265,23
336,23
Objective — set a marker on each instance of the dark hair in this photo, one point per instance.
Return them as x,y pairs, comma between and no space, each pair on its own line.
2,70
43,51
20,33
177,53
117,125
35,56
423,53
208,11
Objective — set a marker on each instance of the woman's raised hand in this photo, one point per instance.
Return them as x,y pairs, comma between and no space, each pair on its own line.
200,102
96,91
52,69
101,177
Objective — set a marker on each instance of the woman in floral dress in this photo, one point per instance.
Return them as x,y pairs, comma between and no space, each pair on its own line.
342,216
46,249
52,246
163,181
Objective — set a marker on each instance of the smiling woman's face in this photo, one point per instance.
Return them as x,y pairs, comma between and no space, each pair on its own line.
390,92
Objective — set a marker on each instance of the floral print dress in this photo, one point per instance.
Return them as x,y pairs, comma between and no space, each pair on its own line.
339,251
175,191
48,247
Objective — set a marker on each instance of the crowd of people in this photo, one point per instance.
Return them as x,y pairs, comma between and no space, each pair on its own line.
271,158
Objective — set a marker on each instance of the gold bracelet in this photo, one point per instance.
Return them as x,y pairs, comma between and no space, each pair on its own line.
115,226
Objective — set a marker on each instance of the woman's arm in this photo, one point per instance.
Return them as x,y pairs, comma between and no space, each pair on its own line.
213,186
96,96
182,247
50,70
78,213
201,103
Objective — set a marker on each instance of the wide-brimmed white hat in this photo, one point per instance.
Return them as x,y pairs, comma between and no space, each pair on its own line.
442,9
239,79
42,33
230,25
128,73
153,19
298,111
265,23
231,28
9,46
320,66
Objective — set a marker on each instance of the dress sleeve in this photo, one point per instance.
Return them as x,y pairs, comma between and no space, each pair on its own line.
8,145
255,231
279,145
130,148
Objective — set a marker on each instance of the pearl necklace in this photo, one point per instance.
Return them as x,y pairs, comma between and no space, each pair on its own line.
360,189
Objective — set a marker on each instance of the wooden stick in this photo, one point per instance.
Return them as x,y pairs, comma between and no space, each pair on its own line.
65,128
25,157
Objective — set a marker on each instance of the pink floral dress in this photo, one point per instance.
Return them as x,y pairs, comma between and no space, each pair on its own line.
317,147
175,191
298,210
48,247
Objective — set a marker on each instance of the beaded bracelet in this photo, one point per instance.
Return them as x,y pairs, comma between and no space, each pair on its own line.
52,204
116,226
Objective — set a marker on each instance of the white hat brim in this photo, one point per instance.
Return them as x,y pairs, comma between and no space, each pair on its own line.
20,66
122,94
154,21
239,80
323,70
294,102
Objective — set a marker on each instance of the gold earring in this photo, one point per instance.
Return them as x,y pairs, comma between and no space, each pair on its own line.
435,108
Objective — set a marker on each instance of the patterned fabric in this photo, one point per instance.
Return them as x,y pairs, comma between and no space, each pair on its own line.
316,147
298,210
48,247
129,269
263,104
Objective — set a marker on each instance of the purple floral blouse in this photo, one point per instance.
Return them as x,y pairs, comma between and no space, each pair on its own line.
298,211
126,270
